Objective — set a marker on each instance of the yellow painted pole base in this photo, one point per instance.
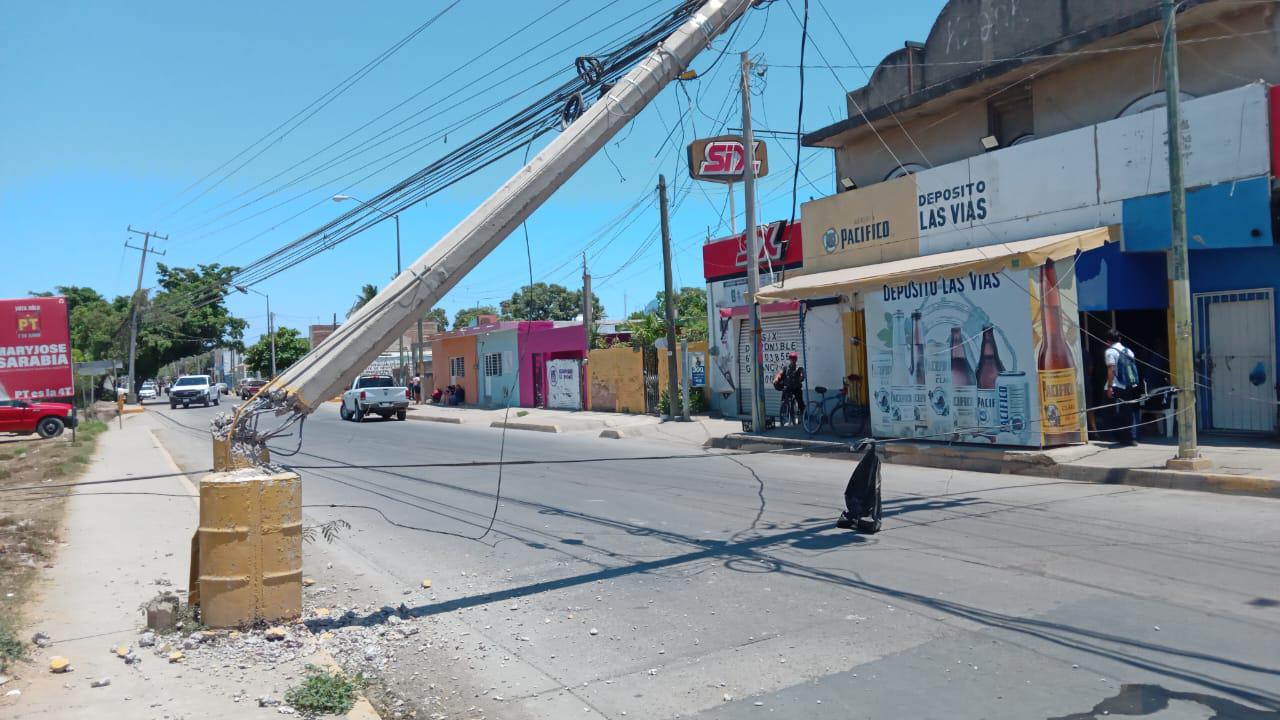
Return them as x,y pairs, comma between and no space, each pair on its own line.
248,559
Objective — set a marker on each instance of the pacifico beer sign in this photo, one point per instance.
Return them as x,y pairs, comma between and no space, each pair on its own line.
721,159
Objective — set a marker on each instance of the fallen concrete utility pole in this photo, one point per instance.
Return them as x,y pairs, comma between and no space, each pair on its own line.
246,590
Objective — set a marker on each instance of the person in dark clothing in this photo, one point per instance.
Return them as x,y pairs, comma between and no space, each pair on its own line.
790,380
1123,388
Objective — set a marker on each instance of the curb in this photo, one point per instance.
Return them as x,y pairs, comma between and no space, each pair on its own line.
1005,463
612,434
437,418
517,425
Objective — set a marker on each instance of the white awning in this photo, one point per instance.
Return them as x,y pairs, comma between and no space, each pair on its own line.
989,258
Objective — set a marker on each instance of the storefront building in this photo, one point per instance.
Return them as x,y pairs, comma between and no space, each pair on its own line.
810,328
985,178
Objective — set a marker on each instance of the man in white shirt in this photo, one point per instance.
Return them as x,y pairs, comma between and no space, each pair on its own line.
1123,387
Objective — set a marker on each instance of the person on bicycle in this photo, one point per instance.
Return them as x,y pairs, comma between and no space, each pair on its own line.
790,380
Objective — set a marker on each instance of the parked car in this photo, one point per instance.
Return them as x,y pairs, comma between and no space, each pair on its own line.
147,391
222,388
374,394
250,386
192,389
47,419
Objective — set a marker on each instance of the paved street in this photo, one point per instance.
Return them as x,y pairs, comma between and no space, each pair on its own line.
718,587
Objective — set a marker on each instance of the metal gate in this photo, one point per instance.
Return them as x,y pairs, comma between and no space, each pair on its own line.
1235,358
650,379
780,335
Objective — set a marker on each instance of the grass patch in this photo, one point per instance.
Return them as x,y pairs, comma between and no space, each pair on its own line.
325,693
11,648
521,413
29,523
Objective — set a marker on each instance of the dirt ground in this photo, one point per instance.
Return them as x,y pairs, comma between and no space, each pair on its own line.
30,520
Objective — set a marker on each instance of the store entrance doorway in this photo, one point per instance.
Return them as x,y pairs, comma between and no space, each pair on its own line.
1235,359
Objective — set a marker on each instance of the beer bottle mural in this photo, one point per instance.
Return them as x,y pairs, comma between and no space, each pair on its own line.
989,369
1059,390
964,390
919,391
902,392
986,356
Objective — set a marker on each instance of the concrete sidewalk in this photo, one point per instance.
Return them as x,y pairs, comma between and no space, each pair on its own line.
698,431
1243,467
1239,467
121,545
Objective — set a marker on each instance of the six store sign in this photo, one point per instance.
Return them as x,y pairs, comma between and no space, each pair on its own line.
35,349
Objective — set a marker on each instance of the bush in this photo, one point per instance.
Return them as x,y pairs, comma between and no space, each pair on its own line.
697,403
324,692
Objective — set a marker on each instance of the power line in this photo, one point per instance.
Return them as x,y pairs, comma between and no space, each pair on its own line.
508,137
443,105
318,104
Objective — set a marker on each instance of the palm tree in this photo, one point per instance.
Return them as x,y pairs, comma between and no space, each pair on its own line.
366,294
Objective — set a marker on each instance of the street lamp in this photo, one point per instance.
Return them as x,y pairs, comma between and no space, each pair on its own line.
271,331
396,217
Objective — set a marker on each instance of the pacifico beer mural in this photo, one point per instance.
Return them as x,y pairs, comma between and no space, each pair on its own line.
977,357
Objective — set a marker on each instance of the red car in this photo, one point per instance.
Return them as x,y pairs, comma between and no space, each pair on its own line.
46,418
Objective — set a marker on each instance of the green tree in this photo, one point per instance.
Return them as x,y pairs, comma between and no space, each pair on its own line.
186,316
645,329
547,302
463,317
691,312
366,294
691,318
438,316
290,347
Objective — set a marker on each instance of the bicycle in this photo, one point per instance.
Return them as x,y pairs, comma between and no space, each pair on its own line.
846,419
788,411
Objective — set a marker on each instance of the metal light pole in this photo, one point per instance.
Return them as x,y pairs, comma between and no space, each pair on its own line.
396,217
271,325
753,248
1188,454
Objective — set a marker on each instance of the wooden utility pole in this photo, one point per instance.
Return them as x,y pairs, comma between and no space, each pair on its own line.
753,248
1188,453
137,300
672,395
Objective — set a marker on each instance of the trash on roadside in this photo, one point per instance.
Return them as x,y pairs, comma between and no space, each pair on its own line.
59,664
100,682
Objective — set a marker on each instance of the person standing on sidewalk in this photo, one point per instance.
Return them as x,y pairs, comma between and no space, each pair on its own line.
1124,387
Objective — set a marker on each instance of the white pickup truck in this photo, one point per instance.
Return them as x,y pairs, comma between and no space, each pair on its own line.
376,394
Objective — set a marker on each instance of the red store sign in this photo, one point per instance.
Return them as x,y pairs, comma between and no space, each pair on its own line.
780,249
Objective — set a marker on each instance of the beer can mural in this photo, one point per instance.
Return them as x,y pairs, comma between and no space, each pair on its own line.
978,357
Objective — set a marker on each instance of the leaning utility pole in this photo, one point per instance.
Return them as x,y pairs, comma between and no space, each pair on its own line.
1188,454
669,300
137,297
753,248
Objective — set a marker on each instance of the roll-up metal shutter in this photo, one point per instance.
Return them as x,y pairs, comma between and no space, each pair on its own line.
780,335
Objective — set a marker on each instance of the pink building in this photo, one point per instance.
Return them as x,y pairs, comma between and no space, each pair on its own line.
541,345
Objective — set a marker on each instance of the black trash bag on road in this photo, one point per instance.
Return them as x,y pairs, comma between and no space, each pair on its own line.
862,495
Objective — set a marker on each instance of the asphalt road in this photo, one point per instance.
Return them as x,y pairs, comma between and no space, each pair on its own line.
719,587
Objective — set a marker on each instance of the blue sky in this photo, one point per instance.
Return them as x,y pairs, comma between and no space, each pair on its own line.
112,110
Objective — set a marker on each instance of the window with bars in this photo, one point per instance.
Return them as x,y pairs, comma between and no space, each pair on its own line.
492,364
458,366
